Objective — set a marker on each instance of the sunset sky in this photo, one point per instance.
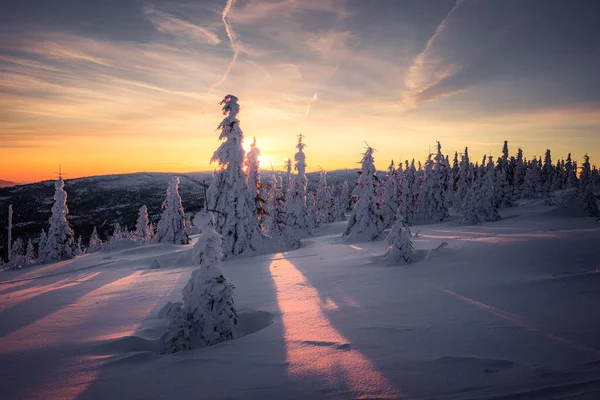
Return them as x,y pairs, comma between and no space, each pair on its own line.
117,86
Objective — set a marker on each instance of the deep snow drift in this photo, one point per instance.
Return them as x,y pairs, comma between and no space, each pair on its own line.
506,310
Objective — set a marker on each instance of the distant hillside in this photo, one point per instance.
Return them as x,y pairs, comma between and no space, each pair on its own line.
6,183
102,201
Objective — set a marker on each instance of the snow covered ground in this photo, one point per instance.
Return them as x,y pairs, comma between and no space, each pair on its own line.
507,310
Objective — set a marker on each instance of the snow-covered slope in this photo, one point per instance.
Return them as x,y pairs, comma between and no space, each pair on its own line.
504,310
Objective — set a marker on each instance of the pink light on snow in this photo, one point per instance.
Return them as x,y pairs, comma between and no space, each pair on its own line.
315,347
64,325
15,297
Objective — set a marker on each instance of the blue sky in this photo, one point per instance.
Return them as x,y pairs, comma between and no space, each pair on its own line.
86,81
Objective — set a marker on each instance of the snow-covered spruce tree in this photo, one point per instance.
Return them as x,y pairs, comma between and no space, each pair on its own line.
143,233
571,174
17,255
469,213
172,225
79,250
595,177
504,190
297,215
207,315
341,202
409,193
585,176
558,181
228,194
465,177
399,247
59,242
252,165
324,200
275,221
547,174
531,184
366,219
288,175
590,203
389,200
311,211
95,244
117,233
520,171
30,258
486,202
432,205
42,240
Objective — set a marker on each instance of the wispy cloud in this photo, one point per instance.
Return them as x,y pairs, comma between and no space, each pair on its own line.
234,41
170,24
310,104
429,67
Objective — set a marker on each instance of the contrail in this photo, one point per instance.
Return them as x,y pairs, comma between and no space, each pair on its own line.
236,44
414,79
309,105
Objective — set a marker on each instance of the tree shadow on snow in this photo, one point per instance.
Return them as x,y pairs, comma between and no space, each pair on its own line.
253,365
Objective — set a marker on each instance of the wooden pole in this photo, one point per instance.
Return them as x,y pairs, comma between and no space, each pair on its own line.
10,214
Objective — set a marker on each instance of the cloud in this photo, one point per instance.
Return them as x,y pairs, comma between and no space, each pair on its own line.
333,45
430,67
234,41
310,104
170,24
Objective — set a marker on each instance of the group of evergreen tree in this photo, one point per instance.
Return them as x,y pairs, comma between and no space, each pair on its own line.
59,242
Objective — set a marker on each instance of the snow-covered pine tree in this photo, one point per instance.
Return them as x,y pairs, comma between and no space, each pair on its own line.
389,200
441,171
520,172
595,176
571,174
585,176
252,165
408,199
432,205
95,244
366,220
341,202
117,233
465,177
311,211
486,202
531,184
42,240
559,176
547,174
172,225
143,233
296,207
79,250
399,247
504,190
228,194
288,175
207,315
17,255
324,201
275,221
590,203
30,258
469,211
59,242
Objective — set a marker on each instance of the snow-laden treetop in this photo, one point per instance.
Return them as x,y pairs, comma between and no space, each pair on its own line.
231,150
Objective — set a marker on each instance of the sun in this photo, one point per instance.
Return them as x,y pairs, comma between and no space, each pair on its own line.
265,161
